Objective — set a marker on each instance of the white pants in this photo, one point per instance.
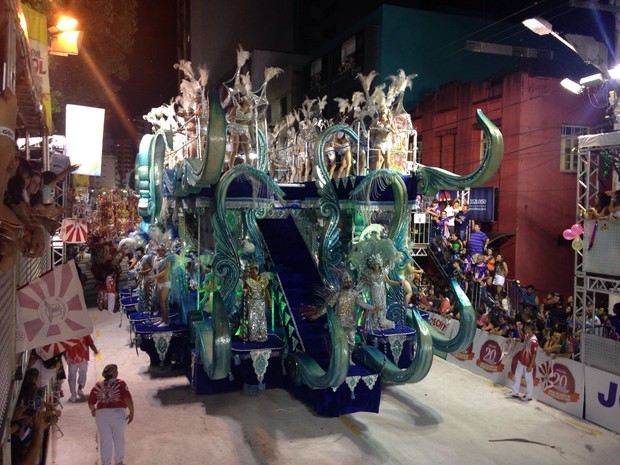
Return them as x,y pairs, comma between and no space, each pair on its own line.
529,380
111,424
111,301
79,370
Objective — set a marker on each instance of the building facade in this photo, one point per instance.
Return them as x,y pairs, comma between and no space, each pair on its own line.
536,183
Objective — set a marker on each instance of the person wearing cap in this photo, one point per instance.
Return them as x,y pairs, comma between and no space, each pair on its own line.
108,401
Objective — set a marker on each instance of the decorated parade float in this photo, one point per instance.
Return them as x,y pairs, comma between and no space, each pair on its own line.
285,250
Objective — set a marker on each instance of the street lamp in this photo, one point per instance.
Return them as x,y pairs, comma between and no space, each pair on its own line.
65,39
589,50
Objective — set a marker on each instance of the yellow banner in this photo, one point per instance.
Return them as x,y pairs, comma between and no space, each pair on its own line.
39,59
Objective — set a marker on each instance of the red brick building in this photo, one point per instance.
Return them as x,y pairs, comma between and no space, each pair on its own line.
536,183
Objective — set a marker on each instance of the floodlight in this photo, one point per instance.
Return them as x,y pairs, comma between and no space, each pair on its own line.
571,86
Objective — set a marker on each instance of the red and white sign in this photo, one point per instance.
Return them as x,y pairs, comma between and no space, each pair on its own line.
560,383
74,230
51,309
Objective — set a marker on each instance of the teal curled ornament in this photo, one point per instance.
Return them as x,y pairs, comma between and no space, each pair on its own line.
330,257
467,324
213,341
303,369
226,262
431,180
420,365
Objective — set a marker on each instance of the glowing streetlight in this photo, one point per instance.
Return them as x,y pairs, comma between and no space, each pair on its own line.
65,40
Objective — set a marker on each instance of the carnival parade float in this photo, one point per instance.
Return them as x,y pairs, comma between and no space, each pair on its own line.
284,247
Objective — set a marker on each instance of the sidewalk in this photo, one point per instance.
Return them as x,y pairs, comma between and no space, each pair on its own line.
451,417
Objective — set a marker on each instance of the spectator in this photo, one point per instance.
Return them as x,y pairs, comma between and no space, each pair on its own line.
478,241
77,365
435,215
489,260
529,301
502,326
601,208
451,208
462,220
442,227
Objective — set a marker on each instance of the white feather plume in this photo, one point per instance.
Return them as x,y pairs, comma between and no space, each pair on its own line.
186,67
366,80
203,76
271,73
242,56
322,102
343,105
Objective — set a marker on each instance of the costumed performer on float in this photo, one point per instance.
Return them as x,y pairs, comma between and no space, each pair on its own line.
162,278
257,300
144,283
373,258
344,301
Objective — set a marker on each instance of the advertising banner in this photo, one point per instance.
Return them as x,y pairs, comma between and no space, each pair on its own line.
39,58
560,383
602,398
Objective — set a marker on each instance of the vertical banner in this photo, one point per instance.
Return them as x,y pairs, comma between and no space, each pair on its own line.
51,309
603,398
39,59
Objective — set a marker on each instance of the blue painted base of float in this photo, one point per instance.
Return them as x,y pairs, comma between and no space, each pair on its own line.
245,369
165,345
354,395
385,341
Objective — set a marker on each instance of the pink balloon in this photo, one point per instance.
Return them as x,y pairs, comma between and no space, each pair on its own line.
577,229
568,234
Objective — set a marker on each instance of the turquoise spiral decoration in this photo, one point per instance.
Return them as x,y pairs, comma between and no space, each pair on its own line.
329,256
225,260
432,180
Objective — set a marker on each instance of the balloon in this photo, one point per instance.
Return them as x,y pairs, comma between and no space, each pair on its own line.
577,229
568,234
577,244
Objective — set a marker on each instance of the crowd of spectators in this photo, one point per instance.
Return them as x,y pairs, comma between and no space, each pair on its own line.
502,307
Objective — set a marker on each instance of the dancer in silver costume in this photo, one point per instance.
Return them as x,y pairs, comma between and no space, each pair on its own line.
376,278
344,302
257,300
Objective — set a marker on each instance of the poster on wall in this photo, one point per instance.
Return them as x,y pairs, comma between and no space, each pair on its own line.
602,398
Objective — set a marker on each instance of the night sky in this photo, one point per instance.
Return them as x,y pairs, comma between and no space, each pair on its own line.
153,80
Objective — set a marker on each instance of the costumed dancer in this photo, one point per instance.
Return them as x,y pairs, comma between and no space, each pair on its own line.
241,119
162,278
144,283
372,259
383,132
344,301
410,274
257,300
376,278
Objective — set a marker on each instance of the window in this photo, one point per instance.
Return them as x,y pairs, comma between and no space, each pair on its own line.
347,55
569,142
316,71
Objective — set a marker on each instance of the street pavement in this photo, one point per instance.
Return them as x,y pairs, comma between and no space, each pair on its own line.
451,417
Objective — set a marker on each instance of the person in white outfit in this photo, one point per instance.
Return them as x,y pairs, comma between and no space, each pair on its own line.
525,364
77,362
108,402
